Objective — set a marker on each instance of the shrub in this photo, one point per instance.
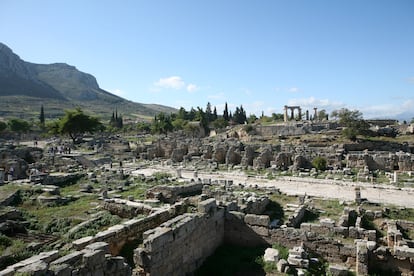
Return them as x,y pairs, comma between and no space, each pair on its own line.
319,163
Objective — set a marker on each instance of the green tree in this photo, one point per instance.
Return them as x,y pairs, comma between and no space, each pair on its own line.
75,124
162,124
319,163
352,122
220,123
144,127
252,119
322,115
240,115
209,114
3,126
277,116
215,114
226,113
19,126
42,116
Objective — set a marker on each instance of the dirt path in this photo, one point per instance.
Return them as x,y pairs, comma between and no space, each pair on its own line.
342,190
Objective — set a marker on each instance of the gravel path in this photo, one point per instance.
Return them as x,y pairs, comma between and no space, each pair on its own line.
333,189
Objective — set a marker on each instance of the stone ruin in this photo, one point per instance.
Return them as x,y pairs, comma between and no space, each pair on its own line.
178,226
232,152
175,241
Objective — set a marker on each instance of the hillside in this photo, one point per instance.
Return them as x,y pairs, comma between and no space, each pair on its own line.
25,86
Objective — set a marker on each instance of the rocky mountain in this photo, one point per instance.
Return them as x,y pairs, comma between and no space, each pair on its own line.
25,86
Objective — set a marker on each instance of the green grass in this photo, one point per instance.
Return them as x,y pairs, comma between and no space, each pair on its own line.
75,209
397,213
330,208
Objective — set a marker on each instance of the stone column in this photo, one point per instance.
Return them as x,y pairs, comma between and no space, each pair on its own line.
292,114
1,176
395,178
358,195
178,173
315,115
362,258
285,115
300,114
307,115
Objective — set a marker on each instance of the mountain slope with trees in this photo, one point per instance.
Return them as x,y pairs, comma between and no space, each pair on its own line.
25,86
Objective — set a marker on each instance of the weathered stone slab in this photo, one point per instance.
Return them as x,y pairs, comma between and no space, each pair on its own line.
260,220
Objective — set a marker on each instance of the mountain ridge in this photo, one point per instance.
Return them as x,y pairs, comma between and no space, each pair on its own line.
23,83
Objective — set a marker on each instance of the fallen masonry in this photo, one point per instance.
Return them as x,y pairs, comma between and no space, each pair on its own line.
176,242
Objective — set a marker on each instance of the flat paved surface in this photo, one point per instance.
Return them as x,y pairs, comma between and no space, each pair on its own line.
333,189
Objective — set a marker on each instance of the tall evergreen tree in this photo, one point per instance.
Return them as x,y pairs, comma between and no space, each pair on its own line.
42,116
226,113
209,115
215,114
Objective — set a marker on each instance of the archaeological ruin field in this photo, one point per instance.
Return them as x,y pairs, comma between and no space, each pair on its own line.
292,198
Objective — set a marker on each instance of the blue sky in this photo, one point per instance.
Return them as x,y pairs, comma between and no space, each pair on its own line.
259,54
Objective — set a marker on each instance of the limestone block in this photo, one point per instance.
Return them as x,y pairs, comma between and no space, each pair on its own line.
38,268
98,246
341,230
338,270
271,255
260,220
281,265
353,232
362,258
297,252
371,235
305,226
141,257
93,258
327,222
343,221
8,272
71,259
371,245
260,230
61,269
207,206
105,235
158,239
403,252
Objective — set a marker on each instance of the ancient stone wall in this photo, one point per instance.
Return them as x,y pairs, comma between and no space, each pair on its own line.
92,260
179,246
131,230
170,193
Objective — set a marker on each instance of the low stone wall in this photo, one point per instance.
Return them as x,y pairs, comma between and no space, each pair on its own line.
126,208
170,193
92,260
60,179
246,230
116,236
179,246
7,200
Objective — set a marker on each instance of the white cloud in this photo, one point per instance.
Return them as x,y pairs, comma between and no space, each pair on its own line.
293,90
192,87
173,82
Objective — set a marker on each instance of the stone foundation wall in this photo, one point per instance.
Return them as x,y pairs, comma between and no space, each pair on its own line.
116,236
92,260
179,246
246,230
171,193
